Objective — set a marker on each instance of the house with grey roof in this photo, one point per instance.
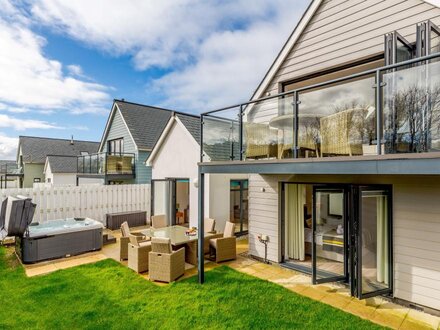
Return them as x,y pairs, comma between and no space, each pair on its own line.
9,176
62,171
33,151
131,132
173,162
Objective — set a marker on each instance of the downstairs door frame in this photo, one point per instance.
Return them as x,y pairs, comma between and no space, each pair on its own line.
352,198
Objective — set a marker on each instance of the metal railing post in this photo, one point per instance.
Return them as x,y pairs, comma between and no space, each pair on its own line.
201,137
201,229
295,124
379,112
240,132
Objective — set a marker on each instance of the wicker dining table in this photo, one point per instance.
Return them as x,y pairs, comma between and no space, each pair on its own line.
179,238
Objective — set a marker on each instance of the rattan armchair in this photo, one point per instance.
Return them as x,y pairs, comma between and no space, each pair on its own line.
158,221
138,254
125,239
165,264
209,229
224,248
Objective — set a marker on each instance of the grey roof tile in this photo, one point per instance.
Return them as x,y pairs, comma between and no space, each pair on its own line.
145,123
192,124
35,149
62,164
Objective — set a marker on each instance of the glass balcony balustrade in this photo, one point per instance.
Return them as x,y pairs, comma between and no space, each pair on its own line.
107,164
389,110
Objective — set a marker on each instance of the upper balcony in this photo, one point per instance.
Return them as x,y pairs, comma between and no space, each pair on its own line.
389,110
105,164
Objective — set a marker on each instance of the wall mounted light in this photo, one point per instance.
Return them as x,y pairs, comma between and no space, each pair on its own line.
196,183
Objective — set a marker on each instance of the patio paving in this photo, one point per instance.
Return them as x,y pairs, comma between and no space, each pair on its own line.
376,309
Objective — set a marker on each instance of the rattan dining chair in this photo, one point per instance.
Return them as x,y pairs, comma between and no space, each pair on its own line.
165,265
138,254
224,248
125,239
158,221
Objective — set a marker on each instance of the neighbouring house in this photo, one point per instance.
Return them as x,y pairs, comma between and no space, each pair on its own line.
130,134
32,155
9,175
341,141
62,171
174,189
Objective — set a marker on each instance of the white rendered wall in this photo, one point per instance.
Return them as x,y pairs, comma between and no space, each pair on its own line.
178,158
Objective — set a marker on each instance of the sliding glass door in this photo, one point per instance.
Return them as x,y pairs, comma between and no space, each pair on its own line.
374,242
163,199
329,249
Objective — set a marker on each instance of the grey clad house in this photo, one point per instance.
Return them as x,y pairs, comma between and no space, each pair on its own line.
130,134
32,155
341,141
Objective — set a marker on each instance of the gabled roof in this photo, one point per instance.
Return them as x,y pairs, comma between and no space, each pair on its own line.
291,41
144,123
35,149
61,164
192,124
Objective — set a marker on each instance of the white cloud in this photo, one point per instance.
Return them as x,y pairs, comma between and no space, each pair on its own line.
23,124
30,79
75,70
8,146
217,51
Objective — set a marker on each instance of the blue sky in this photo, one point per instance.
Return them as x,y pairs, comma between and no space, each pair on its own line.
63,62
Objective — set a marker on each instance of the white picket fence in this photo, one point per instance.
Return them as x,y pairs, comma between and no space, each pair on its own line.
93,201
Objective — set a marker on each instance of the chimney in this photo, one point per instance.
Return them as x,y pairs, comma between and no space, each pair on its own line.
71,141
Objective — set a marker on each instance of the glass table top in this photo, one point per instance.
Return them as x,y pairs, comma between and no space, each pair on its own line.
175,233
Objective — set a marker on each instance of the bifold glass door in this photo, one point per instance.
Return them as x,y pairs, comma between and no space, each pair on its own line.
329,225
374,242
163,199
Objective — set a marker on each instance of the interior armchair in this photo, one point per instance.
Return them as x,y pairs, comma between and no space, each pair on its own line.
125,239
165,264
224,248
138,254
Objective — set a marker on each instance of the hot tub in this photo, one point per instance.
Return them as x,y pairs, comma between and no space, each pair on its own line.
59,238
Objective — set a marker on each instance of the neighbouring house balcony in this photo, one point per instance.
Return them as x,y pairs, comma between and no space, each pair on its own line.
107,164
389,110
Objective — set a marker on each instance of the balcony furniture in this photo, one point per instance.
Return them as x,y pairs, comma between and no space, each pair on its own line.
340,134
308,134
261,141
133,218
165,264
158,221
224,248
138,254
125,240
178,238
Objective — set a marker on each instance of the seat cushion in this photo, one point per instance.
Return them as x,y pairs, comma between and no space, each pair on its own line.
213,243
145,243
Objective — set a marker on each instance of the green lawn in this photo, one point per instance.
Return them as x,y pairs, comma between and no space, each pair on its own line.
107,295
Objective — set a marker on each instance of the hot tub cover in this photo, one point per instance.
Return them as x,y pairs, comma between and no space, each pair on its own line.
16,214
